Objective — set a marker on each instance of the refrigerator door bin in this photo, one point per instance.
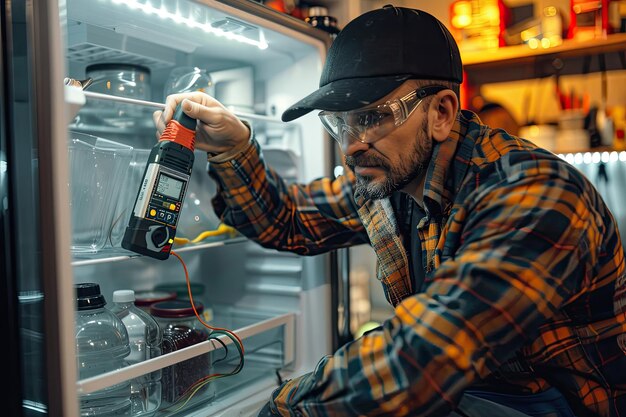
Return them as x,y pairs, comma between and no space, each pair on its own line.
97,169
269,346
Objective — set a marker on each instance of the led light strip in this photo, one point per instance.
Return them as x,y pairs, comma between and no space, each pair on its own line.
594,157
163,13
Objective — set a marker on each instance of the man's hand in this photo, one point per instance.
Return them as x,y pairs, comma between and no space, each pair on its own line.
218,129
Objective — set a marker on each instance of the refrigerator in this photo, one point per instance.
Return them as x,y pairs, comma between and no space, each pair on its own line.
72,150
607,172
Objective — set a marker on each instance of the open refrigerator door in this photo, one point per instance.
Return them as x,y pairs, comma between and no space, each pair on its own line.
120,60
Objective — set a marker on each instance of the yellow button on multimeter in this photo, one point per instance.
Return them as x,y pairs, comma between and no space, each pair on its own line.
172,206
153,212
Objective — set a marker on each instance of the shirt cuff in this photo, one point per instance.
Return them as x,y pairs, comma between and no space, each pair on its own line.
218,158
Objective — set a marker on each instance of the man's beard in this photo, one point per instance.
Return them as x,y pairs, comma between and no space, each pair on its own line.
398,175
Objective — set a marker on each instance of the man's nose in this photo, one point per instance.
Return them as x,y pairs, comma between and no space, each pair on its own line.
351,143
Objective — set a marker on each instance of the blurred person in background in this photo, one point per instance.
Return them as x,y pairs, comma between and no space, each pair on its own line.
503,264
496,116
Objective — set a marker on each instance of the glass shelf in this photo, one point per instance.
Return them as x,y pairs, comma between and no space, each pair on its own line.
269,343
119,254
158,106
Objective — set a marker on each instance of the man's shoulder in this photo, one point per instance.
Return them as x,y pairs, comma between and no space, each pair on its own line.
506,156
524,164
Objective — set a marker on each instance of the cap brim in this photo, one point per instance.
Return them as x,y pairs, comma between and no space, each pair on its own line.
342,95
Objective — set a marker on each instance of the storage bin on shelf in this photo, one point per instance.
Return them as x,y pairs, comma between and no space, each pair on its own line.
98,168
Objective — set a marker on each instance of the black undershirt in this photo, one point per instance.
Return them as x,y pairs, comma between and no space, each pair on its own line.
408,214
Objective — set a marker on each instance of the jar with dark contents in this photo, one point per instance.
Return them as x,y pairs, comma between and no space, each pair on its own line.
197,291
145,299
182,329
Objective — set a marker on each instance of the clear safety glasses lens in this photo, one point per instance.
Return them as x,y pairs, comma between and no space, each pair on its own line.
371,124
365,126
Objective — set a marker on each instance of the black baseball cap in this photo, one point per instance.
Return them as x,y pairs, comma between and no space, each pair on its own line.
375,53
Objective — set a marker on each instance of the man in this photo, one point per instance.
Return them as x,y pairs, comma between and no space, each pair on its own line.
496,115
504,265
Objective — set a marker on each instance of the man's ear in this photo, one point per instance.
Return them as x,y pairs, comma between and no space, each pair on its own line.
444,109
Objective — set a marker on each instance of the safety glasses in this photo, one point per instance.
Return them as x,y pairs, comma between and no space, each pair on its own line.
371,124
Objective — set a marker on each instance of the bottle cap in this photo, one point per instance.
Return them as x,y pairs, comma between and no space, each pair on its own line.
123,296
88,296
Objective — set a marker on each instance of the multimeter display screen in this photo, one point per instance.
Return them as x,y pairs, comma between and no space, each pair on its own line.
169,186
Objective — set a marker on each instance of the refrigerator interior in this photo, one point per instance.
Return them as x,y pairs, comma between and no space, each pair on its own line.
607,172
277,302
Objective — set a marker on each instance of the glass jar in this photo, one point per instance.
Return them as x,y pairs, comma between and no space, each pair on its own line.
189,79
197,292
182,329
145,299
121,80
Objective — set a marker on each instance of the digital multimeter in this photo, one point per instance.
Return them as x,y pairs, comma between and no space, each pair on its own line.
152,225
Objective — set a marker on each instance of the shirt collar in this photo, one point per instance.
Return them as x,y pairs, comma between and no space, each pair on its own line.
449,163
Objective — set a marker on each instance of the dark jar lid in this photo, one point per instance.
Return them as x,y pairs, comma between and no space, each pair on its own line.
181,291
88,296
175,309
147,298
108,66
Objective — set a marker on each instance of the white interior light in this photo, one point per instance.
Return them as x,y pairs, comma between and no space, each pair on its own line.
594,157
578,158
177,16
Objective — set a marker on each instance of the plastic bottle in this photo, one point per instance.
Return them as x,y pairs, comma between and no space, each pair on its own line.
101,346
145,338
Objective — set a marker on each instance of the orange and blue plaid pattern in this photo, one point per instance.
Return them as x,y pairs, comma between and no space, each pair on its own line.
522,258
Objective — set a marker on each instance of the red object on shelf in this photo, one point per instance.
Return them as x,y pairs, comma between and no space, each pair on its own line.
588,19
479,24
505,18
276,5
298,13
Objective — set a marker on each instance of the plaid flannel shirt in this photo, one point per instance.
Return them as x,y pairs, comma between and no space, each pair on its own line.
522,257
